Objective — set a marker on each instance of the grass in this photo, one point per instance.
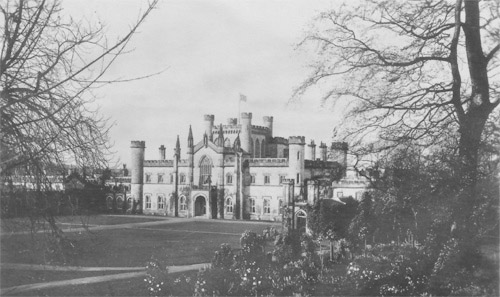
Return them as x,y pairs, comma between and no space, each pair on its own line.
68,222
176,243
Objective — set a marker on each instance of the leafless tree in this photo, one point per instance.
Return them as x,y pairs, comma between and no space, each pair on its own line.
49,66
413,71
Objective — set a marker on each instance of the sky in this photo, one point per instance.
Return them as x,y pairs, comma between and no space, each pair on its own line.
210,51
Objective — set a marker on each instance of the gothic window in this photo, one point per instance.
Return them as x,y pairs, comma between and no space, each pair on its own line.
263,149
253,208
119,203
160,178
205,170
129,203
109,202
148,201
182,178
183,204
267,206
229,179
257,149
161,202
148,177
229,204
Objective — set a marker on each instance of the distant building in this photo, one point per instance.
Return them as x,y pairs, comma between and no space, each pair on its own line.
238,171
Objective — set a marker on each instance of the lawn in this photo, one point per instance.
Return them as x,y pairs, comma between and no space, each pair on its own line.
68,222
176,243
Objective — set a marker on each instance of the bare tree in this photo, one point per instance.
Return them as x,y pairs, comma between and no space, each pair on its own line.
413,71
49,66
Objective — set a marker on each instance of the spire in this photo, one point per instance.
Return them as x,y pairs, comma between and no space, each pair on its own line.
190,137
177,148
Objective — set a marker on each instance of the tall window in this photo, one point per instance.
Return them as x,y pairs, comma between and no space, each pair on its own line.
205,170
298,178
109,202
161,202
148,201
171,178
229,204
280,205
263,149
229,179
148,177
160,178
282,178
267,179
119,203
253,208
182,178
252,179
267,206
183,204
257,149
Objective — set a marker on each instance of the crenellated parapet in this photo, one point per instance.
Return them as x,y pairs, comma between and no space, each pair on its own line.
297,140
318,164
268,162
158,163
137,144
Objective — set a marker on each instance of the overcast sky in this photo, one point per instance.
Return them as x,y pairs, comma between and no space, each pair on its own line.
212,51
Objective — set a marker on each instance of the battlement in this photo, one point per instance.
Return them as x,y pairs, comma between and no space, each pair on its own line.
137,144
319,164
228,129
296,140
246,115
158,163
323,145
260,129
268,118
209,117
280,140
268,162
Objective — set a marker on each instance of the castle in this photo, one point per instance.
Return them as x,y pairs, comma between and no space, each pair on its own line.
237,171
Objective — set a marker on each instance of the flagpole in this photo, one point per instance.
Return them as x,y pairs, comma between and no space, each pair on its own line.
239,110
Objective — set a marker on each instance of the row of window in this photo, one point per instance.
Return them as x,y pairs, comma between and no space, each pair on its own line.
228,204
161,202
229,178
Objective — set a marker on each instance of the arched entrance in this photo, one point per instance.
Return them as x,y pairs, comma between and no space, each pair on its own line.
301,221
200,206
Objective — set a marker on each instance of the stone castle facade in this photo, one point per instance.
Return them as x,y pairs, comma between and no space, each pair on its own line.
236,171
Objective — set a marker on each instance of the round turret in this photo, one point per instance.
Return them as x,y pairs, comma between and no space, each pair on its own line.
246,132
296,158
268,123
209,125
137,149
161,151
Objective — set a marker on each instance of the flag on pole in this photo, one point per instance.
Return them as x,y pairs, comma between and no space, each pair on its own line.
243,98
